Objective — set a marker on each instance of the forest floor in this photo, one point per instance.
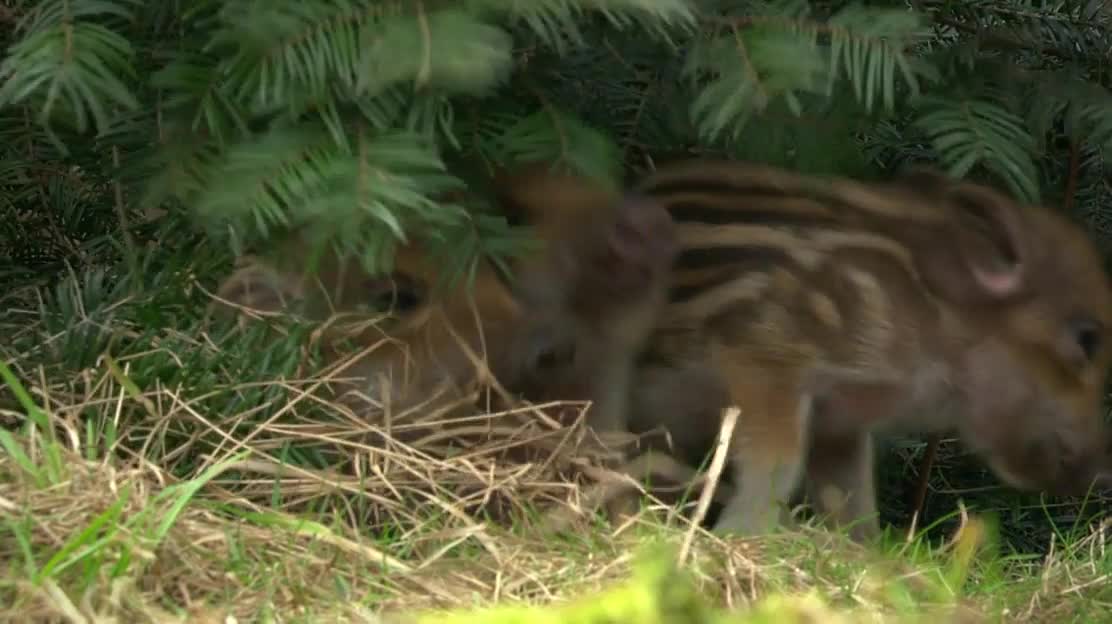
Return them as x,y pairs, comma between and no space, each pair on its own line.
161,487
90,539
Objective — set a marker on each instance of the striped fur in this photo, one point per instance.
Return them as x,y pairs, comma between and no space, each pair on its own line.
827,309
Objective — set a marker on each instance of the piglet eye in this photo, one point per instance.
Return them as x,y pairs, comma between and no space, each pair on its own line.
1087,335
406,301
553,357
547,359
396,293
549,350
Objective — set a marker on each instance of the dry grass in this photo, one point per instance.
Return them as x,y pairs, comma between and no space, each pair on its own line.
125,498
228,556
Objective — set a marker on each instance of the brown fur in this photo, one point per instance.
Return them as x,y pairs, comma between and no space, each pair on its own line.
552,315
610,299
827,309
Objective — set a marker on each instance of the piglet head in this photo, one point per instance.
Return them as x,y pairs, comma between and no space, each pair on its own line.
1026,291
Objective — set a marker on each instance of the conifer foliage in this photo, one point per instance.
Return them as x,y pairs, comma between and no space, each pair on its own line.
355,120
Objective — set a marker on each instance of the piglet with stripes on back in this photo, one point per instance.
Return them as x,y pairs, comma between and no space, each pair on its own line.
829,309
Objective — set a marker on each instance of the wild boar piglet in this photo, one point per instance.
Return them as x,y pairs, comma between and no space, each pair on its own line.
829,309
600,260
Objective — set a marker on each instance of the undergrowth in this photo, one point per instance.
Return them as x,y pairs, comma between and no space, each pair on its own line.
161,466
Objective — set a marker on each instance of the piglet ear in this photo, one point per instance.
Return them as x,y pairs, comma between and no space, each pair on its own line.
643,233
633,254
983,251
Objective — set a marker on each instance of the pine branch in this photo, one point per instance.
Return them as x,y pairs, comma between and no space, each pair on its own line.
1061,31
558,23
69,66
1083,107
746,71
551,136
870,45
257,117
971,133
781,55
295,179
196,92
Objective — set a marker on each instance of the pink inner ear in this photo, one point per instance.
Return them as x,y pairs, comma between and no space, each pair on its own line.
1000,283
996,281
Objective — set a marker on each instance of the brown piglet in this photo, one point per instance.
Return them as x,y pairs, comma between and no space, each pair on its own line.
829,309
518,325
